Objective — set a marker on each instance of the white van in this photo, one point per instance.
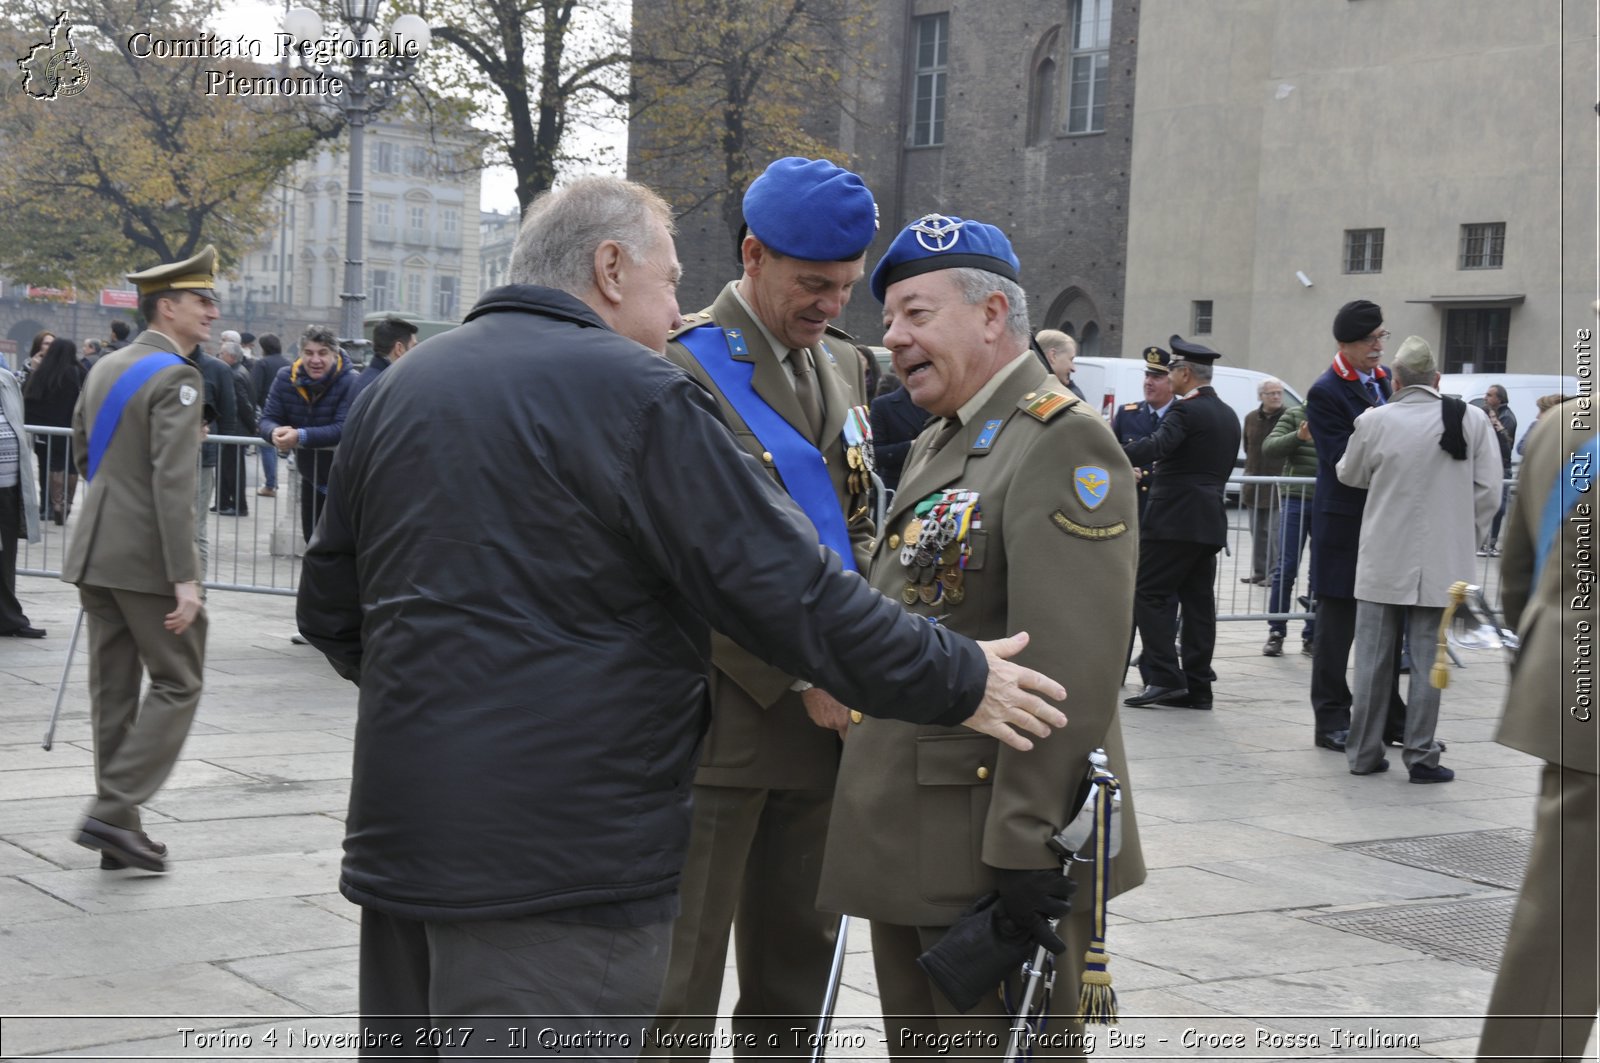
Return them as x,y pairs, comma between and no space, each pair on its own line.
1522,394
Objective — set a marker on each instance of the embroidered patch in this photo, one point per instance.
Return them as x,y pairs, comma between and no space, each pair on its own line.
1092,532
1092,483
1047,404
986,437
736,342
187,394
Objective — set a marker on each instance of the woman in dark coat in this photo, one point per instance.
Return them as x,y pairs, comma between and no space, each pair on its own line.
49,397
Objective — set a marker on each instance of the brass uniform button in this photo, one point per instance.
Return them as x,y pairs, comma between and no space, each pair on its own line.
766,456
894,542
855,716
983,773
1029,395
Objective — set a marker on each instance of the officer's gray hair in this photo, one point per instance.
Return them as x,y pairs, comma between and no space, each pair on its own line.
975,286
1409,376
563,227
1201,371
230,348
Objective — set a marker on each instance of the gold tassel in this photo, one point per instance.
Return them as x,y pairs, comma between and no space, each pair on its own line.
1439,675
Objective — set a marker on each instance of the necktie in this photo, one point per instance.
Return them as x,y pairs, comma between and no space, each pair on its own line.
805,389
947,431
1372,389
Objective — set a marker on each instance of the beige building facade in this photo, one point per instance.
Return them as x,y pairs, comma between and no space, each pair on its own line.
1435,156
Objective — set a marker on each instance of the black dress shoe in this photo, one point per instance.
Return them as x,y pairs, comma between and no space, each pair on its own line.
1151,695
111,863
229,512
131,848
1333,740
1377,769
1186,700
24,633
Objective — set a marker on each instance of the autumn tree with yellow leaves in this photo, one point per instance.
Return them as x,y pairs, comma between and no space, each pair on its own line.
140,165
723,87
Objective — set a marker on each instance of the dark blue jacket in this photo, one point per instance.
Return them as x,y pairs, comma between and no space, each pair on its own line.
896,422
365,378
1195,448
1133,422
317,407
1332,406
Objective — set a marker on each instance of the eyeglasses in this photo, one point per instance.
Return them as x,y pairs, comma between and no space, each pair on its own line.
1376,338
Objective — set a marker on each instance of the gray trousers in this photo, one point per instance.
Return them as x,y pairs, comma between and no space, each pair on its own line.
523,987
1377,635
204,484
1263,540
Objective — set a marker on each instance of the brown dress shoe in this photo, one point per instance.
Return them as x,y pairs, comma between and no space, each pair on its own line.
129,848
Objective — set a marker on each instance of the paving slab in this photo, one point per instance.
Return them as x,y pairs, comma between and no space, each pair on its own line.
79,779
200,882
1338,877
255,799
322,981
1370,824
218,748
1177,845
202,840
1236,946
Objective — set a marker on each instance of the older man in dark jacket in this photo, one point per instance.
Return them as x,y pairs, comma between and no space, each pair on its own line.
533,524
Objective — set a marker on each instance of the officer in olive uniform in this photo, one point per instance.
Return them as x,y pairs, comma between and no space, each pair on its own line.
794,392
1545,996
1185,526
985,536
1136,420
136,439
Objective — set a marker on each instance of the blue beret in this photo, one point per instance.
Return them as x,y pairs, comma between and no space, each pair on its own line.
934,241
811,209
1183,350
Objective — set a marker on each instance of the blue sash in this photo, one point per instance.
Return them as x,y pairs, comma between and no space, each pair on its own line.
799,463
127,385
1574,479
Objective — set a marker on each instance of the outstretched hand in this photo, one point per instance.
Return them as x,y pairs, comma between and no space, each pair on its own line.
1008,708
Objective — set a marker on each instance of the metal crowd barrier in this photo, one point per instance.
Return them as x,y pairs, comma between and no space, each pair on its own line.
258,552
261,551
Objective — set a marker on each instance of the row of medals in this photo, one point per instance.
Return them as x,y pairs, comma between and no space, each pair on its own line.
859,458
935,545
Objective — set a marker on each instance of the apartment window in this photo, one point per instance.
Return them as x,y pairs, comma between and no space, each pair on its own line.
388,157
382,213
1090,63
417,162
382,293
932,71
414,291
1483,246
1200,317
1363,250
417,218
449,220
444,298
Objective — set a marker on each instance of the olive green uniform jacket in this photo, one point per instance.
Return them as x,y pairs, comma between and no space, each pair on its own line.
760,734
920,814
136,528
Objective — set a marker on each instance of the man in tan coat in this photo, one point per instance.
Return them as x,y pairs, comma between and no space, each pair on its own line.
985,536
792,389
1431,471
136,438
1545,996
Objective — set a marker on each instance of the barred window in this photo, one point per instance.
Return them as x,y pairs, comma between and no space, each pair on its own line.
1483,245
1363,250
1200,317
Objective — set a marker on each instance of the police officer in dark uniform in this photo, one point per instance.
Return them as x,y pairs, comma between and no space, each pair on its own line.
1186,525
1137,420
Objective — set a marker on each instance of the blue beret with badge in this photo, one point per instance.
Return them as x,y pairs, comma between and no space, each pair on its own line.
935,241
811,209
1184,351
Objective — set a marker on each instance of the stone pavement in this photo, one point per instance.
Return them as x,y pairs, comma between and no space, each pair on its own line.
1269,915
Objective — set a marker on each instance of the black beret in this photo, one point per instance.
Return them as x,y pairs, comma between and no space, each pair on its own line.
1357,320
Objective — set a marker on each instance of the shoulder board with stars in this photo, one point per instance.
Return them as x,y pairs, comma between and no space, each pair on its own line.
691,321
1046,403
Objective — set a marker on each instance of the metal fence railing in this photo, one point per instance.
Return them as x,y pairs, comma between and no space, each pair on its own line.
261,551
258,552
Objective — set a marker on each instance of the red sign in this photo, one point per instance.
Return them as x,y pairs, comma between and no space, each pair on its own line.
119,297
60,295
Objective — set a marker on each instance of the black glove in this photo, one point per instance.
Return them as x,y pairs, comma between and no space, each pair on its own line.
981,950
1030,899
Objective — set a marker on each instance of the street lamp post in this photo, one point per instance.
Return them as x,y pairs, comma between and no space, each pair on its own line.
378,62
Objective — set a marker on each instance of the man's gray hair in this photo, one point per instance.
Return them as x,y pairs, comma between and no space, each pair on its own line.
1201,371
975,286
320,334
230,349
1261,388
564,226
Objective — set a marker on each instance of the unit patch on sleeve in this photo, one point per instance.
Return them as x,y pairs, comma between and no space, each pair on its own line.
1092,483
1092,532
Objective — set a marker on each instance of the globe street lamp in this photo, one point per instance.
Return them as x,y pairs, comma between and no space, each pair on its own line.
378,62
